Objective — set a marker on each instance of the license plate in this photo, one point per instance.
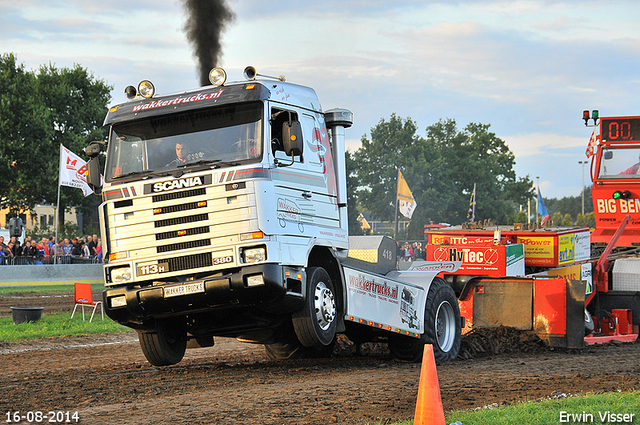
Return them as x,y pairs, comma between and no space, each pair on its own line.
189,288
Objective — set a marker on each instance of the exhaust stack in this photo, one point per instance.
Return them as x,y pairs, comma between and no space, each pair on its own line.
337,120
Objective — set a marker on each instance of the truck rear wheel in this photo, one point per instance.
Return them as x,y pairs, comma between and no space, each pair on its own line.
315,324
164,347
441,327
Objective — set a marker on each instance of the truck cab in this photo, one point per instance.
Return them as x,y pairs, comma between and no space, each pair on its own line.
224,214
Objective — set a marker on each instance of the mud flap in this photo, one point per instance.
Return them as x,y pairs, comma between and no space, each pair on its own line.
559,312
503,302
552,307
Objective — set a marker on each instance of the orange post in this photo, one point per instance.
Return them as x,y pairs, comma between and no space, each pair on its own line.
429,410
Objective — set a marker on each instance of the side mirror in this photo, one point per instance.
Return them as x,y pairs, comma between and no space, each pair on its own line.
93,175
93,166
292,138
93,150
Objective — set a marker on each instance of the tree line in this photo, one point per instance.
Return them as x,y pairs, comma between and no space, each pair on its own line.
39,110
441,169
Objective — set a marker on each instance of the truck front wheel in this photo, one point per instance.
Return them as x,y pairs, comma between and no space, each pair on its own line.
166,346
288,347
441,327
315,324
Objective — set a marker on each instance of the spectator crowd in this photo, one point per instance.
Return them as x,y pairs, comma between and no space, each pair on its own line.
408,251
47,251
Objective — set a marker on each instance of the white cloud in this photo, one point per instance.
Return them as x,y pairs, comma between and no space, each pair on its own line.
542,143
527,67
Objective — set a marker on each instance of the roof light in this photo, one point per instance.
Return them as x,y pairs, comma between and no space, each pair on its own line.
595,115
621,194
217,76
130,92
146,89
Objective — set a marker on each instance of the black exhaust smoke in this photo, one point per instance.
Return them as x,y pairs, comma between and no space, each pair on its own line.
205,22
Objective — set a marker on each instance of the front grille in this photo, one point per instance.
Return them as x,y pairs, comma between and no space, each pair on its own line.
179,207
183,245
188,232
121,204
188,262
181,220
179,195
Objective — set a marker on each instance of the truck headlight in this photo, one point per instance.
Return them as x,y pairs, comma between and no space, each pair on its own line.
121,274
217,76
255,280
254,255
119,301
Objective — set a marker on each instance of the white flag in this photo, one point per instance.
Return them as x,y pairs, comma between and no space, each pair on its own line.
406,201
73,171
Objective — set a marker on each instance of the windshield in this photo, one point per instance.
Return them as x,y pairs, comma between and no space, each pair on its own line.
620,163
226,135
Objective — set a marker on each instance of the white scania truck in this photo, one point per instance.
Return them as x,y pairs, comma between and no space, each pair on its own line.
225,214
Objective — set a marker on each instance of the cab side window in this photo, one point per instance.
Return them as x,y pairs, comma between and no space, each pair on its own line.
278,118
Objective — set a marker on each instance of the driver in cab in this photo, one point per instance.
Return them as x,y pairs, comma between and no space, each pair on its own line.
183,155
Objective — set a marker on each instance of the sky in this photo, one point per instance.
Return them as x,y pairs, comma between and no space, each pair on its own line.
527,68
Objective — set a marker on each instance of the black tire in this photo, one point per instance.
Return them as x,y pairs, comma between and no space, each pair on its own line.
441,327
315,323
589,326
164,347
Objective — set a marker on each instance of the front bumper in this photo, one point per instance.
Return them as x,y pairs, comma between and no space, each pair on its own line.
279,294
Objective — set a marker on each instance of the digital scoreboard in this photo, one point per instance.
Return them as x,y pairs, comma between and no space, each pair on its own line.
620,129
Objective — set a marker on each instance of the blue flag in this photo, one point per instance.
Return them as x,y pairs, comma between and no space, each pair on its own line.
542,210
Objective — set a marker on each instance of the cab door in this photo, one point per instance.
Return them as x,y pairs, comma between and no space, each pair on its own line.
305,196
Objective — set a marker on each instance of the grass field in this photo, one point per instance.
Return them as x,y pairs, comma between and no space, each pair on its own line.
610,408
44,289
59,324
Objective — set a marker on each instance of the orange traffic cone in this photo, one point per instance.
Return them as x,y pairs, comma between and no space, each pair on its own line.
429,410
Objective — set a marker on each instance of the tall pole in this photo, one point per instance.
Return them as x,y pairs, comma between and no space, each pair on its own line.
395,211
583,164
58,204
538,199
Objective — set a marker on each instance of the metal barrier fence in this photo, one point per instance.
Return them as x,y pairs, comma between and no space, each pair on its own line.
57,259
50,274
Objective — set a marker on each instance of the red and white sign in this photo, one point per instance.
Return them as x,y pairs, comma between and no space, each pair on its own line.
492,260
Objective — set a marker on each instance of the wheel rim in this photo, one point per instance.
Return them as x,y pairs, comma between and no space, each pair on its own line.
445,326
324,305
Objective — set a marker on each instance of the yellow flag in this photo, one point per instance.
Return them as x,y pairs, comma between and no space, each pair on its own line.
406,201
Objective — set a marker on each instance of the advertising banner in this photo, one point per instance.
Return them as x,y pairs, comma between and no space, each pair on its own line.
385,301
539,250
481,260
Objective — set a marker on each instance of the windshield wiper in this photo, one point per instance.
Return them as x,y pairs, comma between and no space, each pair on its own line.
217,162
132,173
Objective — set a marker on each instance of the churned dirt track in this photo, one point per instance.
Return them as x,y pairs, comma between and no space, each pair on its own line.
108,381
